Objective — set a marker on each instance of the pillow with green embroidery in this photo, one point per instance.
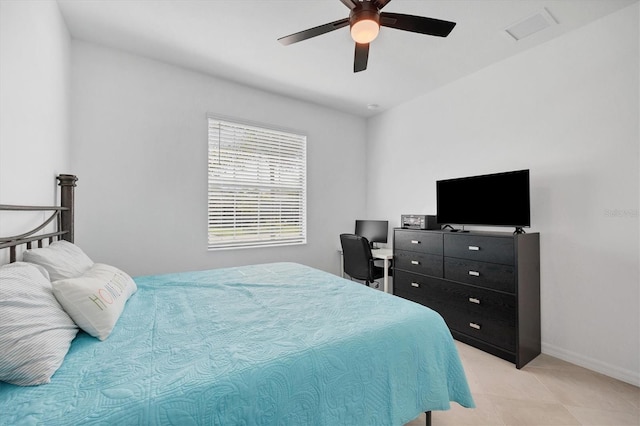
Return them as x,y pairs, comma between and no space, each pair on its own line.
96,299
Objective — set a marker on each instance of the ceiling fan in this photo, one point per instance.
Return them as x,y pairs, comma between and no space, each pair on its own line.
365,20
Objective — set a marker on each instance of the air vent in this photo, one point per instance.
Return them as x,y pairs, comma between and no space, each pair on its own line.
530,25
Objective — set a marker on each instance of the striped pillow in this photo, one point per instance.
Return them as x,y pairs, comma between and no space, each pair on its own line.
35,332
61,259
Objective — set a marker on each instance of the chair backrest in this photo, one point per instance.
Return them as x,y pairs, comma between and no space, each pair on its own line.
358,260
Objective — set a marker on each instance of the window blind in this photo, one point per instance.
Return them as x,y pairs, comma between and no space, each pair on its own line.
257,186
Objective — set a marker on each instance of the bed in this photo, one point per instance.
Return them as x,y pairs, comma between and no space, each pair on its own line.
278,343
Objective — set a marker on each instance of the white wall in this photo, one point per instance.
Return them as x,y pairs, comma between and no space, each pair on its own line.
34,107
139,136
568,111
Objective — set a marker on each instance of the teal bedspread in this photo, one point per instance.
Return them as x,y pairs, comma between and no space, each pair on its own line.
273,344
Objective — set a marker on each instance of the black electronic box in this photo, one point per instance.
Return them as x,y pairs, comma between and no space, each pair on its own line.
418,221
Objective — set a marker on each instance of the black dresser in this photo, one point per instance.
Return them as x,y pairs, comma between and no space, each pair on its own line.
486,286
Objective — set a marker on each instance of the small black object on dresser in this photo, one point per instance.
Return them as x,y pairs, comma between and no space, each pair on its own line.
486,286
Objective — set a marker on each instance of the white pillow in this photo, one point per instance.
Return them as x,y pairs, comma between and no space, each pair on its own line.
96,299
61,259
35,332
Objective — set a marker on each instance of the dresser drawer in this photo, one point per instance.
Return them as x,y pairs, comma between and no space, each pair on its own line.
486,303
490,275
480,248
420,263
490,305
495,332
406,283
424,242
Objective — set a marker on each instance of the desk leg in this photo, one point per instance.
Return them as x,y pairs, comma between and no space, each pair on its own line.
386,275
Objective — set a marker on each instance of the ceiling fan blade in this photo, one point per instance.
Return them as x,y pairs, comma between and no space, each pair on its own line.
416,24
361,57
349,3
381,3
313,32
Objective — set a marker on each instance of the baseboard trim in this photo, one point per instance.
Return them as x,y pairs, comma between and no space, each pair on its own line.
627,376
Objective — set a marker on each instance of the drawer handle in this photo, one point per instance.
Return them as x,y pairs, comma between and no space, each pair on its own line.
474,273
474,300
474,325
416,285
415,242
474,248
415,262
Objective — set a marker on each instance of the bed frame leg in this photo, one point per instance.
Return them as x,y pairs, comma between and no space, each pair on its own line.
428,418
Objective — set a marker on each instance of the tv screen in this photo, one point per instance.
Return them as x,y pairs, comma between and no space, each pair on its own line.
500,199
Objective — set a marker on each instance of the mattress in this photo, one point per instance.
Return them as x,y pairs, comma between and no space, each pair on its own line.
269,344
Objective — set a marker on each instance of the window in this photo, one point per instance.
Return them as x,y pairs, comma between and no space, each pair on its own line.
257,186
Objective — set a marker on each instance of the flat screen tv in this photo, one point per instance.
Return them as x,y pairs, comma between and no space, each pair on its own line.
499,199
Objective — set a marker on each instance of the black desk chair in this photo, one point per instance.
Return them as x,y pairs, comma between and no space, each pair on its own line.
358,260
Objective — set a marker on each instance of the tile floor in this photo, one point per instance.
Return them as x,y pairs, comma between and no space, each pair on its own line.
546,392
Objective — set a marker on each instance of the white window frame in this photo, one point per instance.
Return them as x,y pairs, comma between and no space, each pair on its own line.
257,185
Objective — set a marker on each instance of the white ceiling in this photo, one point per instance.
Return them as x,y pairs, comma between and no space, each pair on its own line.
236,40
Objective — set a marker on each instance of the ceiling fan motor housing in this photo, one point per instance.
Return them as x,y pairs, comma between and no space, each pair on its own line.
364,10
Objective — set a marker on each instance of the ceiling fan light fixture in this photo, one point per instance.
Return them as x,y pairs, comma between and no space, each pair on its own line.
365,31
364,20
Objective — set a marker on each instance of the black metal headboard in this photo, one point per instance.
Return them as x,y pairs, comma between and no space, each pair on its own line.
63,214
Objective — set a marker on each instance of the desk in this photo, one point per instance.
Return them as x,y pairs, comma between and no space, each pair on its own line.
385,254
